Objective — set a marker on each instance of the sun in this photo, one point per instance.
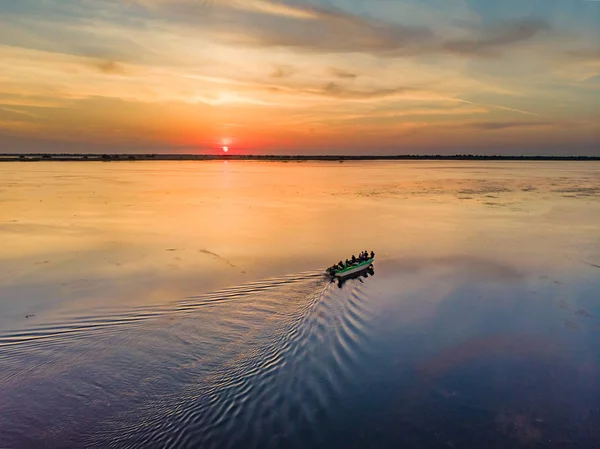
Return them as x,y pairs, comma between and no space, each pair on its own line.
225,149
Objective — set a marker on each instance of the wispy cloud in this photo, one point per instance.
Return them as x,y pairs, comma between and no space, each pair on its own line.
490,41
386,117
17,126
336,90
283,71
19,112
329,29
267,7
110,67
495,126
272,8
7,99
344,74
495,106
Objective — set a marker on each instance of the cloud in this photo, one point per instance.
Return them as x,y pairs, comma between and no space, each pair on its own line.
110,67
584,55
7,99
283,71
267,7
494,126
397,114
18,112
17,126
262,23
489,42
257,6
338,91
339,73
328,31
495,106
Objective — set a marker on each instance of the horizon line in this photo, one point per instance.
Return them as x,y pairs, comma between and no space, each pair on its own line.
64,157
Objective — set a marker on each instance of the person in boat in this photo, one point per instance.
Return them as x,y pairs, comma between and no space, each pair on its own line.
353,258
372,254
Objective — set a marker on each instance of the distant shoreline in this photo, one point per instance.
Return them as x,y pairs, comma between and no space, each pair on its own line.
38,157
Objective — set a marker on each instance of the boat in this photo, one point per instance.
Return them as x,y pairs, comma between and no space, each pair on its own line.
359,275
350,269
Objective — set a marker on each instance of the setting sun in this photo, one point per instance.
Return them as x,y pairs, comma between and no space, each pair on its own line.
225,149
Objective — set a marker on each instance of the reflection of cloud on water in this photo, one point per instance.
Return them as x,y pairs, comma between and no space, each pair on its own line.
584,313
210,253
520,425
37,229
475,267
490,203
515,346
592,264
572,325
485,189
579,191
484,334
468,188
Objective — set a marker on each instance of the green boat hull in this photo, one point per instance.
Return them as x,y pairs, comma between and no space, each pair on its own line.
352,269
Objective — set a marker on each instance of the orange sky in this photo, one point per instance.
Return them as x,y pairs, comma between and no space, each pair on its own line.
307,77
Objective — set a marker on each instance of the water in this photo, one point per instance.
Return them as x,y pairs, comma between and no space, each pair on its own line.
182,305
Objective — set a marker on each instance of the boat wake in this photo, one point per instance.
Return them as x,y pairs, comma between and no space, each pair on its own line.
252,366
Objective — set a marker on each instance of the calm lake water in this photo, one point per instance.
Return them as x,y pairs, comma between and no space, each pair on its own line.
176,304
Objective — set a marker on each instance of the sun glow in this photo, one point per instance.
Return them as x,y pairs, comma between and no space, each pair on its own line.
225,143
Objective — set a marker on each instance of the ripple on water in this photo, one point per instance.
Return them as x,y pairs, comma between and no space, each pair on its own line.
252,366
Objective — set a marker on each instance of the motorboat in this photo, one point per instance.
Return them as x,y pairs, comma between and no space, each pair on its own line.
351,268
359,276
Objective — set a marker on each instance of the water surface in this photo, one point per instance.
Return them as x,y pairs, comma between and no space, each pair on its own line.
177,304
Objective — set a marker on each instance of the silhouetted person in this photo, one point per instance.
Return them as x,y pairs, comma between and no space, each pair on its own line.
372,254
353,258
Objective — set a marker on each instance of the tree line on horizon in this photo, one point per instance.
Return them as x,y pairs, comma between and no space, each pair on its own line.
163,156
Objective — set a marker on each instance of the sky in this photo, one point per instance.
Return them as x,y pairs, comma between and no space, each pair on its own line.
300,77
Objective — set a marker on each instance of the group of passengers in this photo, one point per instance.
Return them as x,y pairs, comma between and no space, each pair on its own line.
362,257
